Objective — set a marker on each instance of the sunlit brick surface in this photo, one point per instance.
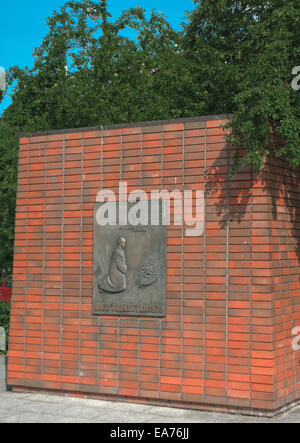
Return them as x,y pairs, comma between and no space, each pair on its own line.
232,294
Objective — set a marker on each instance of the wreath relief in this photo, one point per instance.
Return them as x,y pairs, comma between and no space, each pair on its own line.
148,272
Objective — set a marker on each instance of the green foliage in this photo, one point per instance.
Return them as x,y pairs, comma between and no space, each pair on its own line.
4,319
247,50
8,184
88,74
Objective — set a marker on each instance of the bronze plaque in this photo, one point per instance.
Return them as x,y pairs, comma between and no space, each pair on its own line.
129,269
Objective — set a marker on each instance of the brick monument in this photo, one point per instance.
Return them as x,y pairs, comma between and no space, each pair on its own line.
220,334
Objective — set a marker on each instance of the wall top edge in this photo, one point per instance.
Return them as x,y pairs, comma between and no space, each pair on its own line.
129,125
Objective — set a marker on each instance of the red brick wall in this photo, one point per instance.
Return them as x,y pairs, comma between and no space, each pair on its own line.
284,209
232,294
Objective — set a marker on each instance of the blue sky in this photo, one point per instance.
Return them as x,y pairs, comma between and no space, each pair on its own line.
23,25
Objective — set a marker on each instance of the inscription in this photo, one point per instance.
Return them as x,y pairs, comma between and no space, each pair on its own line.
126,308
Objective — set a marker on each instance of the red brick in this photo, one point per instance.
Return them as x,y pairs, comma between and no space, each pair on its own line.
231,293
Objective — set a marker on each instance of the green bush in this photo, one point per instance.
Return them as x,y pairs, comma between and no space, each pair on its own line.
4,319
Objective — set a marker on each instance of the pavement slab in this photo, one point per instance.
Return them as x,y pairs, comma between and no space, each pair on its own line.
2,373
42,408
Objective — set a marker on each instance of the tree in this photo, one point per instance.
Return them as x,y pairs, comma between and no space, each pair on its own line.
87,72
246,50
8,184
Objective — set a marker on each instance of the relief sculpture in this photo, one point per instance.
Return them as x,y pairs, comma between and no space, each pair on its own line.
115,281
129,269
148,272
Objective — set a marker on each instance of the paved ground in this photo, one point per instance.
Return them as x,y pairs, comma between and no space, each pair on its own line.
42,408
2,374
